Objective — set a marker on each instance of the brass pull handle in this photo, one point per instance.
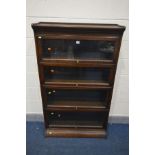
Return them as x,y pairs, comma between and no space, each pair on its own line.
77,61
39,37
51,49
52,70
49,92
50,132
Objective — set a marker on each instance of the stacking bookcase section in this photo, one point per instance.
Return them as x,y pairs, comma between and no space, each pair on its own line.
77,119
67,99
78,76
93,124
77,65
77,49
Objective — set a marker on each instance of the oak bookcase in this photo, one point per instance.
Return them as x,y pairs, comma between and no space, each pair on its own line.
77,65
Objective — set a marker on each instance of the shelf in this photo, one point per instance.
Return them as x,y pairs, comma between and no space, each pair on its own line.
75,86
77,105
77,82
76,63
75,132
76,124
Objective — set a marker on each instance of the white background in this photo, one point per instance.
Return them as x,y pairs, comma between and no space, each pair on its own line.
85,11
13,69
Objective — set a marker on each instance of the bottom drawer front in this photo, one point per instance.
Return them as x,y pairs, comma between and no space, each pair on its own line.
73,132
77,119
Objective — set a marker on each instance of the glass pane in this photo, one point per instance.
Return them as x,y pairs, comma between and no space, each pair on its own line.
76,97
78,49
69,74
76,119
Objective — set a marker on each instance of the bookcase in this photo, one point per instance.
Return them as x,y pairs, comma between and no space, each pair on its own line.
77,63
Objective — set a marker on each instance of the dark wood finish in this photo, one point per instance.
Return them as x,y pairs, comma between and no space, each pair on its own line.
76,95
76,132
